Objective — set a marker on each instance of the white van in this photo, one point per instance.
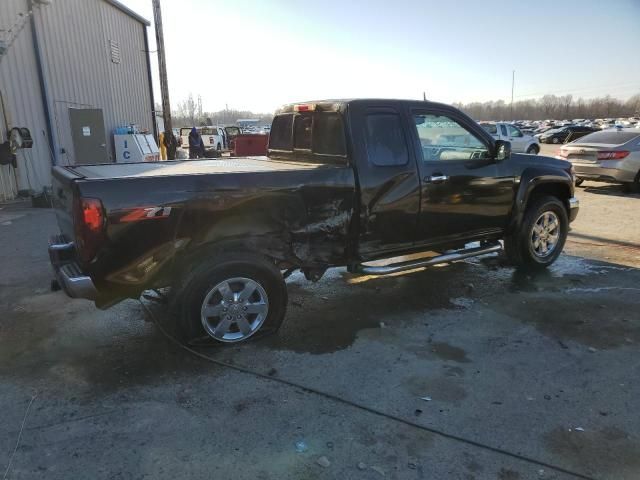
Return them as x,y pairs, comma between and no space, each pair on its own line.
212,137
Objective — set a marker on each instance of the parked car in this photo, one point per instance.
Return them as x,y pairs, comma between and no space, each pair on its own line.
520,142
565,134
344,183
212,137
606,156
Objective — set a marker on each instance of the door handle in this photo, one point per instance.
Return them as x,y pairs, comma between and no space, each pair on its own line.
436,179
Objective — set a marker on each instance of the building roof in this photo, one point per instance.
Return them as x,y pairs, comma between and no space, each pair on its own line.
128,11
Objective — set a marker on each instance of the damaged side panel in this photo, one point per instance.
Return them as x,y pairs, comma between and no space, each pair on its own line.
156,226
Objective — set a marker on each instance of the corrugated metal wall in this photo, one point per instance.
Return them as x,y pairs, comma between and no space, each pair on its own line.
21,93
74,38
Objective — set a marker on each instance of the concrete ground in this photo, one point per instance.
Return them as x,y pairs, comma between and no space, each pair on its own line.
469,371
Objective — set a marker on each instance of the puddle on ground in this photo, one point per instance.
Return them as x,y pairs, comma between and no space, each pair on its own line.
608,451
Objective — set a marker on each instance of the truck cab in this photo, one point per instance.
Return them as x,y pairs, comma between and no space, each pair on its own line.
520,141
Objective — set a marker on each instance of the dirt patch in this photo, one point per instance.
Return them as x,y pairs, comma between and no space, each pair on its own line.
609,450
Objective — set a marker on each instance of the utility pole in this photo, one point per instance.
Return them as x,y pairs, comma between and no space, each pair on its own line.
513,81
169,139
424,96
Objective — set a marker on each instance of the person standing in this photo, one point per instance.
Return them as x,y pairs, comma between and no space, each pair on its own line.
196,145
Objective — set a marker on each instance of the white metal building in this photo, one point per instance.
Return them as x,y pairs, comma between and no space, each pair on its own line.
76,70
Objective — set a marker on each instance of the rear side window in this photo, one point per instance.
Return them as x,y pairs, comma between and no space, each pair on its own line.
386,144
503,130
328,134
280,137
490,127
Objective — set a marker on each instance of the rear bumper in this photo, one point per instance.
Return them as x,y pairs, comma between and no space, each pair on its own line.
574,208
610,173
68,273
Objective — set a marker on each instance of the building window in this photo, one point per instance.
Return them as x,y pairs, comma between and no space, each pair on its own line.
114,47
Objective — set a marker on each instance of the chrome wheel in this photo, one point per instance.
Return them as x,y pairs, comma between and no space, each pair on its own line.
234,309
545,234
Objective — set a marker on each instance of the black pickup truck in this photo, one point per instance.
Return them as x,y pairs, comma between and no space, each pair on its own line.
345,183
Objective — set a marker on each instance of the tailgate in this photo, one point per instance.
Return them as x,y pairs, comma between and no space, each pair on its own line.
63,192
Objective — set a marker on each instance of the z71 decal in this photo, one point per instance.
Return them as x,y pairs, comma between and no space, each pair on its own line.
142,213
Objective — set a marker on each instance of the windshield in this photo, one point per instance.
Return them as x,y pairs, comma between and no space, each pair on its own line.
232,131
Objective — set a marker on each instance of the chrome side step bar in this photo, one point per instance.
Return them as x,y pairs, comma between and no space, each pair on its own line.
429,262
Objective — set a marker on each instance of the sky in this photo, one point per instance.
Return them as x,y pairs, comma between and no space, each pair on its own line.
258,55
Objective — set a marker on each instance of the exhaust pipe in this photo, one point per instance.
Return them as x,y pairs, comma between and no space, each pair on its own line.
429,262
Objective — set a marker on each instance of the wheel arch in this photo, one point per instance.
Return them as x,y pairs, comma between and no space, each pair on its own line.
537,182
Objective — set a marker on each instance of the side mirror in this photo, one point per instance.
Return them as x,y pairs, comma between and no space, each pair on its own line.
502,150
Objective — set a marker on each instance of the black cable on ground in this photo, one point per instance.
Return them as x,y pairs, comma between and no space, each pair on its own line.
365,408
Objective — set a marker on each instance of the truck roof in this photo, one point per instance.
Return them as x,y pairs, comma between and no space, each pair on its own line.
341,104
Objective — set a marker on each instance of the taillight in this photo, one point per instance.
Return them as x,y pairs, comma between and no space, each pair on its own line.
89,223
614,155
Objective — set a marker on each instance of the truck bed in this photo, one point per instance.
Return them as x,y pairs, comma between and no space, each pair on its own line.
188,167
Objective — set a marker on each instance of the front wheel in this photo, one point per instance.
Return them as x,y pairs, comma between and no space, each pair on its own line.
555,140
231,298
533,149
542,234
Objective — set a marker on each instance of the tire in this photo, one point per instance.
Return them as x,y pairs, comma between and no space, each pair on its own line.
533,149
555,140
218,284
579,181
521,247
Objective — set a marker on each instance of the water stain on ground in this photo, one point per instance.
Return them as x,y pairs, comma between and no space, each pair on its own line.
86,350
327,316
595,320
449,352
609,451
443,389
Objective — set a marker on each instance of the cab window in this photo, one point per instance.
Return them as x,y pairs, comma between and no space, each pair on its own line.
444,139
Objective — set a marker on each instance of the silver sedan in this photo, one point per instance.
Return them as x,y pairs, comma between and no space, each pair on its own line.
607,156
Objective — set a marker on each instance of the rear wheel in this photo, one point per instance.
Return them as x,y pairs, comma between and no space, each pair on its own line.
533,149
542,234
555,140
231,298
